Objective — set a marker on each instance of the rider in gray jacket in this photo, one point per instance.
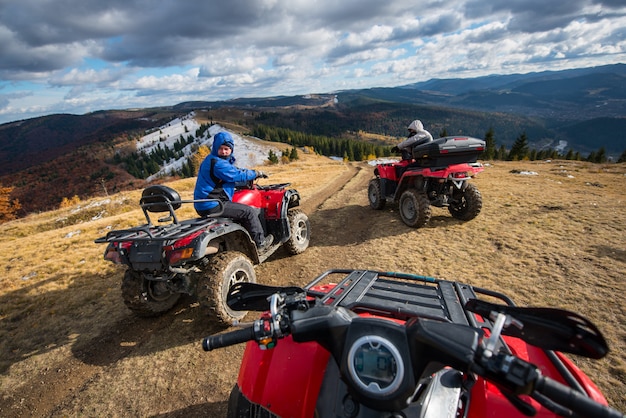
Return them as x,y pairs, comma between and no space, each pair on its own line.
417,135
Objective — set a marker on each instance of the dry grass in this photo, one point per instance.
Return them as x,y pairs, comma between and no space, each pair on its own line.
69,347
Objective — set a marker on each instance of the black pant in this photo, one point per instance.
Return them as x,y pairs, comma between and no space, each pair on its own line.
246,215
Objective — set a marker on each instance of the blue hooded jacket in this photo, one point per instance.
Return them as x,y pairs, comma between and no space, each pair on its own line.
224,169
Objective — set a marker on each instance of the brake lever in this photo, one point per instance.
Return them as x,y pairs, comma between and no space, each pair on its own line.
548,328
501,321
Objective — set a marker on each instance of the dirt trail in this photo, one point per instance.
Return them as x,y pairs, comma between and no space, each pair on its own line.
66,386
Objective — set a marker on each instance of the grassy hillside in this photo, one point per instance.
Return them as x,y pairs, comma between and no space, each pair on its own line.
550,234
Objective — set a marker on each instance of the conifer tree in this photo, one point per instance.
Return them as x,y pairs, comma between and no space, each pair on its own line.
490,145
519,150
272,157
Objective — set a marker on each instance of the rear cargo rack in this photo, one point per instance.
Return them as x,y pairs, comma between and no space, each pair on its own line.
173,230
149,232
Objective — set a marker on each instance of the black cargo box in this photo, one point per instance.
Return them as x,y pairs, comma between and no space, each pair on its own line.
448,150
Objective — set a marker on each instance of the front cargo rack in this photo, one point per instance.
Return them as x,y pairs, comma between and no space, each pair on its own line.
400,295
403,296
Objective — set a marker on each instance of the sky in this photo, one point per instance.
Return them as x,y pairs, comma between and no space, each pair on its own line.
79,56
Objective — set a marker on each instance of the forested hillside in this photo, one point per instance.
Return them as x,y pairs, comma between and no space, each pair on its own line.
574,114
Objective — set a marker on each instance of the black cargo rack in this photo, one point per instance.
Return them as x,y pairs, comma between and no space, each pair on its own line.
401,296
175,229
150,232
404,296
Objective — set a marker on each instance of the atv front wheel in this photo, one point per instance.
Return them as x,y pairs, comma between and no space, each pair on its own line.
466,204
216,279
375,195
300,232
146,297
414,208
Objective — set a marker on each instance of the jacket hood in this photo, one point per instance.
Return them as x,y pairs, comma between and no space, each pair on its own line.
416,126
222,138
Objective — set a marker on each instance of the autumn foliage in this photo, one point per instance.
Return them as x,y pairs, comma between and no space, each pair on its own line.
8,207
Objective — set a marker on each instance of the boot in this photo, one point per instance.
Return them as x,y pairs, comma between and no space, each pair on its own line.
265,244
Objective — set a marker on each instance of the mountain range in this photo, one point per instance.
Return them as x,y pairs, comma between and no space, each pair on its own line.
581,109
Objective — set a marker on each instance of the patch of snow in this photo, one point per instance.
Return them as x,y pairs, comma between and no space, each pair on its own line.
248,153
383,161
525,172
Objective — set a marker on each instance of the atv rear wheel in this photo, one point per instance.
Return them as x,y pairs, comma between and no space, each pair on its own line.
466,204
146,297
300,232
414,208
222,272
375,195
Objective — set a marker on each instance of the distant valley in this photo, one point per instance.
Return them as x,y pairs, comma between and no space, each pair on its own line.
55,156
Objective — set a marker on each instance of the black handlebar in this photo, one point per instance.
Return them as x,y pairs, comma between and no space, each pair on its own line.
573,399
229,338
511,373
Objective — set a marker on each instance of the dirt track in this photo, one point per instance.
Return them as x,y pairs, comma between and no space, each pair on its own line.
67,387
156,367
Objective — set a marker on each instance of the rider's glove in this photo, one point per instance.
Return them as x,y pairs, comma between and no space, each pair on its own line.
395,149
261,175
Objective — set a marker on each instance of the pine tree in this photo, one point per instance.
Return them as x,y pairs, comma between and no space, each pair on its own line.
272,157
519,150
490,145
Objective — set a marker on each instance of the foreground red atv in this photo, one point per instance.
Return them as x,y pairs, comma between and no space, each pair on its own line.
360,343
202,256
438,175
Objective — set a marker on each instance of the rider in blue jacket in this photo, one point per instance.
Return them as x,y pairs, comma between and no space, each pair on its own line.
216,180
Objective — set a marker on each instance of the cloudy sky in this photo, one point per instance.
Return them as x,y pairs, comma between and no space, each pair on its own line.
77,56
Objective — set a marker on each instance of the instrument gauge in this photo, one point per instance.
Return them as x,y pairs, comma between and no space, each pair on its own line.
375,365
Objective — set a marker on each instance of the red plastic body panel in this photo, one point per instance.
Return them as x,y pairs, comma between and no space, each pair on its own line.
286,379
389,170
250,197
270,200
446,172
486,401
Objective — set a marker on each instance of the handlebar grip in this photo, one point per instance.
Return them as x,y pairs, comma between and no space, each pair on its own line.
574,400
229,338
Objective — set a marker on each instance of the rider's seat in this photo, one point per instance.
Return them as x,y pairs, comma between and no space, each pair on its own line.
159,198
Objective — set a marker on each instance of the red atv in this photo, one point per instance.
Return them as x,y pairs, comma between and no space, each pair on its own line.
201,256
438,175
360,343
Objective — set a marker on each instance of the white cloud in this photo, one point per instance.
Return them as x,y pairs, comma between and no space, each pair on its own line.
188,50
